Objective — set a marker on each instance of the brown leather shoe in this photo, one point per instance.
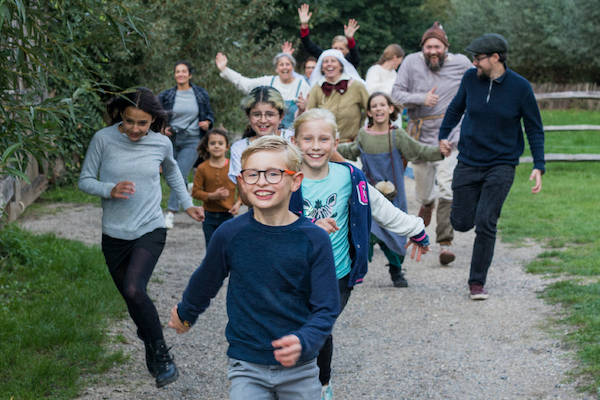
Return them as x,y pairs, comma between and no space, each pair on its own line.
425,212
446,256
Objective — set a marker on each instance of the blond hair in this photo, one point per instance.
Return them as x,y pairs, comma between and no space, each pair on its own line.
341,39
390,51
316,114
293,155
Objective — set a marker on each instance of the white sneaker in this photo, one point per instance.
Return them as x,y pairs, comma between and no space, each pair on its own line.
169,219
327,392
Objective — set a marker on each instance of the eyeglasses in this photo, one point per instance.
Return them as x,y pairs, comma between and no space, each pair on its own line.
267,115
272,175
480,57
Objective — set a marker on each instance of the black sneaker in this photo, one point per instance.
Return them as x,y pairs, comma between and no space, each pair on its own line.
166,370
398,279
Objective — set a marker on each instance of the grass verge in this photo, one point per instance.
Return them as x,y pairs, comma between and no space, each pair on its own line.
564,215
55,298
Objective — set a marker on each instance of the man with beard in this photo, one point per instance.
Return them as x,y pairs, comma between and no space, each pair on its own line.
493,100
426,83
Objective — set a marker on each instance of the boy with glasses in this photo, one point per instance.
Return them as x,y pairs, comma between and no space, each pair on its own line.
282,298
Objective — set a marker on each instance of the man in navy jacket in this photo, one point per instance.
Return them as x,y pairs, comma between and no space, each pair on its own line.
494,100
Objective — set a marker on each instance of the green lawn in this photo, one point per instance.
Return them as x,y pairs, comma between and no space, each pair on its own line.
56,301
564,216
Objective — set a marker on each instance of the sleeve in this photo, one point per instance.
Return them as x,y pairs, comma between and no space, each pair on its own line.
353,55
198,191
173,177
235,166
391,218
242,83
349,150
324,301
534,129
454,112
414,150
313,101
308,44
88,179
372,80
207,279
401,90
206,112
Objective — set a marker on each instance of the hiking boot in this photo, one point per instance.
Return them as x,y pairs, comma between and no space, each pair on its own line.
478,292
398,279
169,220
425,212
150,362
446,256
166,370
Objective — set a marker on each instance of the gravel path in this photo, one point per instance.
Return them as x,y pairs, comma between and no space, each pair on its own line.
427,341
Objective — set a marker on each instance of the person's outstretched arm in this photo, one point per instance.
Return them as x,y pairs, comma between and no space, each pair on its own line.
241,82
304,14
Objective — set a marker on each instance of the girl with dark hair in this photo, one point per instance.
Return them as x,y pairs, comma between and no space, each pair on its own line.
382,148
211,184
265,108
122,167
189,120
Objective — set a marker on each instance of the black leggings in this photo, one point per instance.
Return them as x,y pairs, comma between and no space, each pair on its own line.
326,353
130,263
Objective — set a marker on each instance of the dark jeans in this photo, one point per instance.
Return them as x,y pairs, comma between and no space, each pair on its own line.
130,263
479,193
212,220
326,353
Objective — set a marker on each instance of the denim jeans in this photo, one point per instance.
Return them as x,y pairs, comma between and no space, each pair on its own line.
479,193
185,153
212,220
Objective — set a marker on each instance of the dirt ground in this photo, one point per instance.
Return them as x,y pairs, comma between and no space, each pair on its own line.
427,341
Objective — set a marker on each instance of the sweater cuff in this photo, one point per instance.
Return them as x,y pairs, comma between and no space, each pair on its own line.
351,42
304,32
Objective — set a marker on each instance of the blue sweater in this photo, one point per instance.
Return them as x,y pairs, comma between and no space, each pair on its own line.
359,223
281,282
491,132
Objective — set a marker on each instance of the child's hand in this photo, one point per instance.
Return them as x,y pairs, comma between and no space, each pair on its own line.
445,147
417,249
420,243
328,224
219,194
288,350
236,208
196,213
175,322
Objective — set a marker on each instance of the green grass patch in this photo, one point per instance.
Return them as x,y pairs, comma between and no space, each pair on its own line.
55,298
564,215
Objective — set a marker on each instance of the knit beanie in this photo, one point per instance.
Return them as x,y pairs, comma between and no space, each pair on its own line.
436,31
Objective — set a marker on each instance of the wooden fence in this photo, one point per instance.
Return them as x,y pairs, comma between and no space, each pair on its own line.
568,96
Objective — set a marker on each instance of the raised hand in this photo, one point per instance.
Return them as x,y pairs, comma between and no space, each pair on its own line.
287,48
301,103
221,61
431,98
351,28
304,14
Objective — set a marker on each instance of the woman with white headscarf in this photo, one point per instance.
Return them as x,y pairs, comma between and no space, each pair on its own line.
287,82
337,87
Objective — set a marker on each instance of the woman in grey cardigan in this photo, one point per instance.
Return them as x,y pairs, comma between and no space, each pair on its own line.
122,167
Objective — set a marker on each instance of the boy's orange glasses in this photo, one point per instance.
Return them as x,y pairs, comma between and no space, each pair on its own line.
272,175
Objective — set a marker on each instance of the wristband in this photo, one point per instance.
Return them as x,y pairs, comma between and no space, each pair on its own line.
420,239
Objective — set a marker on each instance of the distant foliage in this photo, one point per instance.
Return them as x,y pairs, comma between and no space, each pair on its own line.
549,40
54,74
